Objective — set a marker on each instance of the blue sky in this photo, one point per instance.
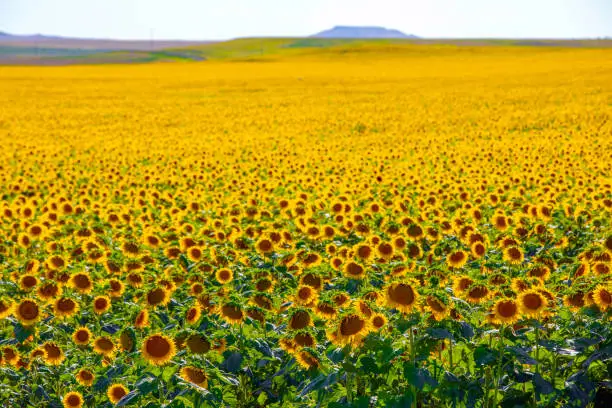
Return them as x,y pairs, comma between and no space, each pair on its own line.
223,19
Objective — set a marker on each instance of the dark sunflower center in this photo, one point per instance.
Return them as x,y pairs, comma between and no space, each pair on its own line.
196,376
351,325
300,320
507,308
402,294
157,346
233,312
104,344
532,301
354,269
101,304
82,335
66,305
28,310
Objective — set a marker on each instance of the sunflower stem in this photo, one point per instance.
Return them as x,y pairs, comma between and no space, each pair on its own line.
554,371
537,348
537,356
349,394
450,354
500,362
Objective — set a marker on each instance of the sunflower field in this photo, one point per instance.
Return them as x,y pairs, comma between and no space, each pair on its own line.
410,226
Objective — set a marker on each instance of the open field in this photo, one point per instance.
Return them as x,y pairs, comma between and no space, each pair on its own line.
66,51
370,225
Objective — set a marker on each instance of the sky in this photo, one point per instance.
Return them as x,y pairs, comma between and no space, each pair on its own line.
224,19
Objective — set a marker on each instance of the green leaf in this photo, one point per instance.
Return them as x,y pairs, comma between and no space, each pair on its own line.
369,365
262,398
21,332
129,398
146,385
484,356
168,373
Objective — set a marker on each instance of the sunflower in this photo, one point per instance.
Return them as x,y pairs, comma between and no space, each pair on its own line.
541,272
158,349
378,321
264,246
6,308
115,392
81,336
364,252
28,282
602,297
37,353
531,302
198,344
607,244
264,285
399,243
53,354
326,310
340,299
27,312
385,250
142,319
353,270
10,355
101,304
104,346
224,275
157,297
116,288
305,295
299,319
513,255
437,307
457,259
81,282
478,249
195,254
352,329
127,340
363,308
85,377
506,311
130,249
313,280
193,314
262,300
500,222
601,269
415,231
48,290
520,285
56,262
477,293
311,260
304,339
65,307
575,301
135,279
401,296
288,345
73,399
232,313
194,375
307,359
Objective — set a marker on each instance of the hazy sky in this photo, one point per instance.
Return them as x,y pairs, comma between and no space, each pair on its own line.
221,19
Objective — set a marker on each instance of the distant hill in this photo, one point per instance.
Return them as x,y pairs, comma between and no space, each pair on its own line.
92,44
362,32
